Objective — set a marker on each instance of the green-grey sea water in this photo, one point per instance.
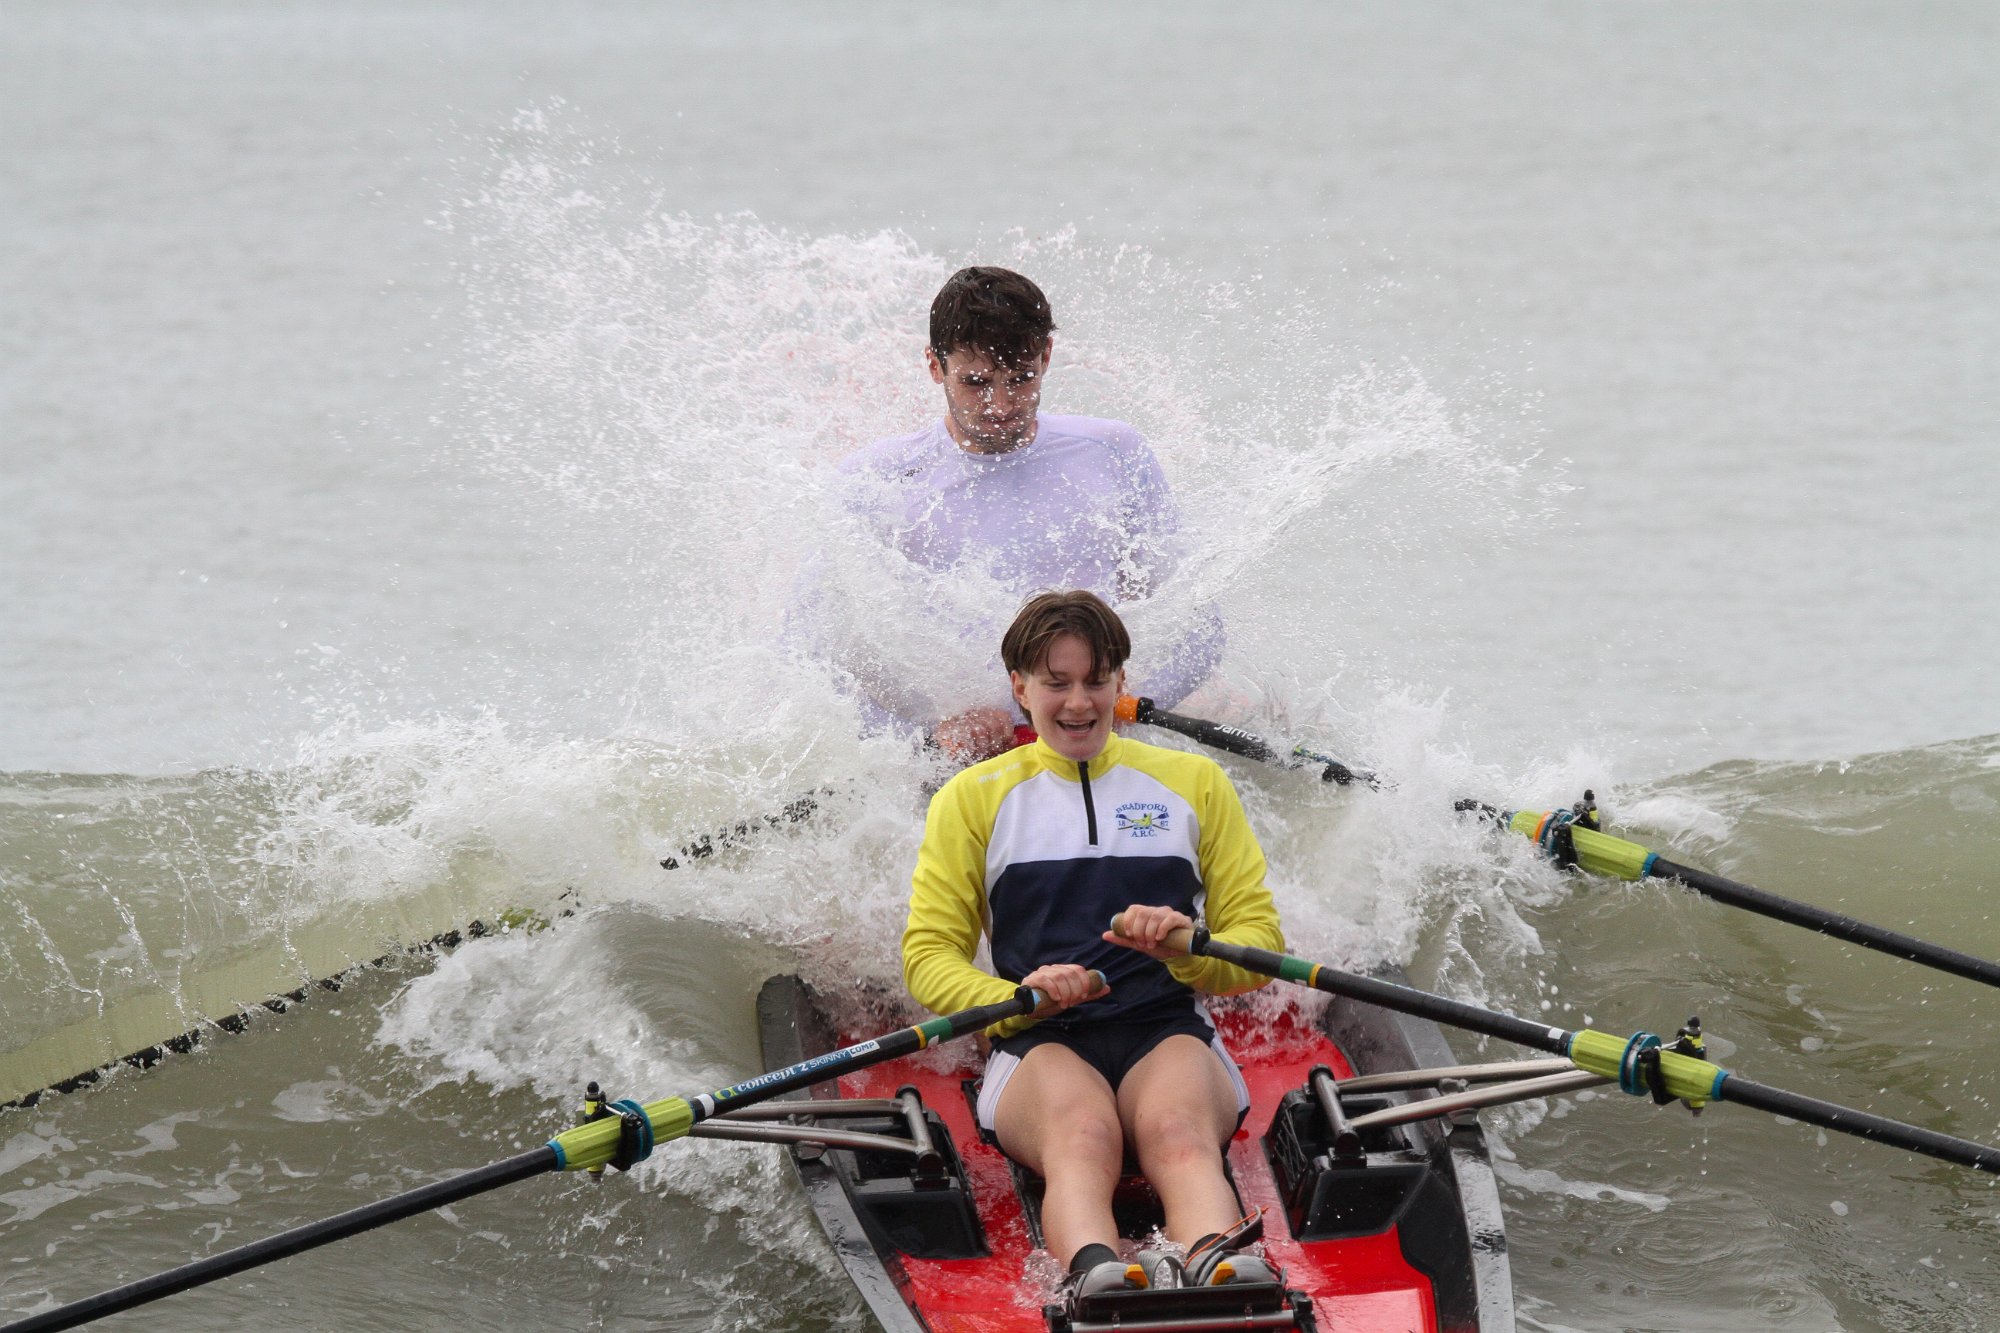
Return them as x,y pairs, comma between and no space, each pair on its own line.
412,417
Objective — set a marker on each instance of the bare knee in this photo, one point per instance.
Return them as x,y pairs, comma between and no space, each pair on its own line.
1086,1143
1058,1116
1174,1140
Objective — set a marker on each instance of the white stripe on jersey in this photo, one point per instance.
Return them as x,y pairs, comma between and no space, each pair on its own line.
1043,819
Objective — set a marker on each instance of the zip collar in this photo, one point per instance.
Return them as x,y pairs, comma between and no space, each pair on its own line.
1067,769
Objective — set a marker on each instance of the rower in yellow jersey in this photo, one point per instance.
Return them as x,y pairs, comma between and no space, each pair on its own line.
1037,849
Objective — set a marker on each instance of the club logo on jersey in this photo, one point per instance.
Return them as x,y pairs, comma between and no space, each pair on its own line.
1142,819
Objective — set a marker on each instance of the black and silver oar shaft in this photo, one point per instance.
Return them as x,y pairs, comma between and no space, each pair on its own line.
625,1134
1639,1063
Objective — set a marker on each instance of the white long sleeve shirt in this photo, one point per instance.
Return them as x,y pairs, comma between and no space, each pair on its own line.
1083,505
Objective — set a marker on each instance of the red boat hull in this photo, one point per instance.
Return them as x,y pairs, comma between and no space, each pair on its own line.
1358,1283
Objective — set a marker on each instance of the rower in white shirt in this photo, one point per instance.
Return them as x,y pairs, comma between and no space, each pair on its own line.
1033,501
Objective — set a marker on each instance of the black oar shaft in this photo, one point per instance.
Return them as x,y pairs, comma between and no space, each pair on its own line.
1215,735
1846,1120
795,811
286,1243
817,1069
1507,1027
1836,924
1234,740
1388,995
890,1046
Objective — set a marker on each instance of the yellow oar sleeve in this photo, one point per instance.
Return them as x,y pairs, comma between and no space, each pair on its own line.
1599,853
596,1143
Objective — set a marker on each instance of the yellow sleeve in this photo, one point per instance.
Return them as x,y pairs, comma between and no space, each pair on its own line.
948,908
1236,903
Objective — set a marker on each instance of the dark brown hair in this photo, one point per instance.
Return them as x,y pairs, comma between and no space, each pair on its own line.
991,310
1048,616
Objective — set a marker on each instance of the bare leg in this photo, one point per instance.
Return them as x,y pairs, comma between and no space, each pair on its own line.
1179,1108
1057,1117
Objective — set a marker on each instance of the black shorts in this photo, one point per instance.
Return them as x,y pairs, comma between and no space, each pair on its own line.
1112,1049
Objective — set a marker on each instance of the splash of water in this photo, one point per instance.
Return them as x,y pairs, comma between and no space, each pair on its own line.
665,397
679,387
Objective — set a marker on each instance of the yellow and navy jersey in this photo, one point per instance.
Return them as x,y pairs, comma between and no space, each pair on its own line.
1037,852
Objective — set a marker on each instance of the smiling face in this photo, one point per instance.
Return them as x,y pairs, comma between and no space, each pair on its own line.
989,405
1071,707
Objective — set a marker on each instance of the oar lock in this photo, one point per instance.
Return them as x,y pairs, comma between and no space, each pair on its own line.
1554,831
635,1128
1558,838
1639,1070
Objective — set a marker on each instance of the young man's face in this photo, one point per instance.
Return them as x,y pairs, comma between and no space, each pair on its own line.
989,406
1072,709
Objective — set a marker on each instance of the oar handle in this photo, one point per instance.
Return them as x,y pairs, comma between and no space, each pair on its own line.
1179,940
1036,1000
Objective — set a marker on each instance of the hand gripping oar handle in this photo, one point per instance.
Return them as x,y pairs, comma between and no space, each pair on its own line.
593,1144
1682,1077
1385,994
1234,740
